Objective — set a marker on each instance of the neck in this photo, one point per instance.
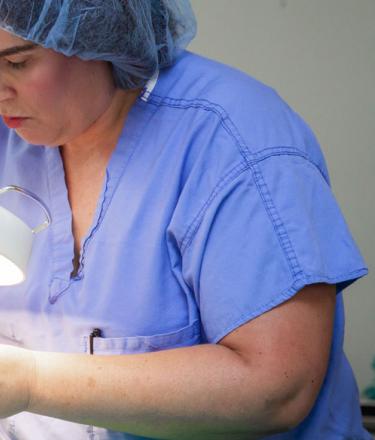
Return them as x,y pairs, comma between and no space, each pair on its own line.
98,142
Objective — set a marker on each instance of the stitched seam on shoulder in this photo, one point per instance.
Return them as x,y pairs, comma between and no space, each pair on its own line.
278,225
204,104
231,129
194,225
251,160
265,153
265,195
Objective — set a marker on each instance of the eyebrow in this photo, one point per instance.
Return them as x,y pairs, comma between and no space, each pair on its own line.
17,49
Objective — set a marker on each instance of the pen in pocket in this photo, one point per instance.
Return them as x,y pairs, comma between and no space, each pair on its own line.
96,333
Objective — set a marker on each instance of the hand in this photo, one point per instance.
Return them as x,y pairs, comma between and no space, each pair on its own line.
17,372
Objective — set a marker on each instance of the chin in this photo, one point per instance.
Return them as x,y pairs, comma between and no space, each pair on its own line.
34,139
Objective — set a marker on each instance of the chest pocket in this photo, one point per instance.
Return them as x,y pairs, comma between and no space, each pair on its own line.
184,337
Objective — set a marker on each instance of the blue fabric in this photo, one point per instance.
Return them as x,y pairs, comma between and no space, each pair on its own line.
216,207
137,36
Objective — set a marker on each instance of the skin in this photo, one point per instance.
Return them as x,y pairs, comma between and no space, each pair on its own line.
75,116
83,123
260,379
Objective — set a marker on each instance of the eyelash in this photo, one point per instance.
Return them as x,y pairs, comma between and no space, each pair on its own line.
16,66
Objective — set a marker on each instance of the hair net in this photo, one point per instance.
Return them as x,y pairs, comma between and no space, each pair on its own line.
136,36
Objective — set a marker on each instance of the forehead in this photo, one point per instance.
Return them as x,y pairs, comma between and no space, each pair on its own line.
11,44
9,40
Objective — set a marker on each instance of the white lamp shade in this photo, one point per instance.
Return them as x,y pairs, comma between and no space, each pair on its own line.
16,239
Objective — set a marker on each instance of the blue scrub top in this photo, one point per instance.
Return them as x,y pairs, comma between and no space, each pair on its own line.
216,207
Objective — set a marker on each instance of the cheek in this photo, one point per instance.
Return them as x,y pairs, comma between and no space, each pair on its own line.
62,97
68,90
44,91
43,98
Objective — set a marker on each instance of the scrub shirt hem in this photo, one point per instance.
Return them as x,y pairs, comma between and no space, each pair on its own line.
297,285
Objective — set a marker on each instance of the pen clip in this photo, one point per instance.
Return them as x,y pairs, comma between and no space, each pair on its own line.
96,333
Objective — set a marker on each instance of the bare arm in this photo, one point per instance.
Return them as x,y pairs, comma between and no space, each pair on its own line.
261,379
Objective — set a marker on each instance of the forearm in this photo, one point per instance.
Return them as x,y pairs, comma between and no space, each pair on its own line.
199,392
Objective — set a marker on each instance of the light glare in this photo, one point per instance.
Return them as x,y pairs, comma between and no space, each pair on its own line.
10,274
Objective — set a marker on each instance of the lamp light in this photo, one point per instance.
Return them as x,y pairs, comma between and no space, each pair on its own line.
16,240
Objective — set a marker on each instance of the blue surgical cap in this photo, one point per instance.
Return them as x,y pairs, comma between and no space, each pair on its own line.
137,36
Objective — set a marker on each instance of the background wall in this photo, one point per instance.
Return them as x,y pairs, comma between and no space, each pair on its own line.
319,55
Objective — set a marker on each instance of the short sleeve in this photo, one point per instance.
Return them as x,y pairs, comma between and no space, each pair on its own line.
271,228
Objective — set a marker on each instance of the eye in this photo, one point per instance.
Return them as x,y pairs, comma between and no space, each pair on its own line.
16,66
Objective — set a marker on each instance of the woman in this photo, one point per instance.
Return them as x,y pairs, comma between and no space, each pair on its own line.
190,285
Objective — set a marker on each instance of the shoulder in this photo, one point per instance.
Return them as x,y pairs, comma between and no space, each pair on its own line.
195,77
253,114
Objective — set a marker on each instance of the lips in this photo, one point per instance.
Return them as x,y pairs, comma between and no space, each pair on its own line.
14,121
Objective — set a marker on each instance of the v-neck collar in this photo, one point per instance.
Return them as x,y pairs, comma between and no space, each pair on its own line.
62,240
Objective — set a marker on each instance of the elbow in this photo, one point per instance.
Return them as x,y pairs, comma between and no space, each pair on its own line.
291,415
278,415
291,410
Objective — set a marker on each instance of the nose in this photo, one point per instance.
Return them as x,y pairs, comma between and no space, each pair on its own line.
6,91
